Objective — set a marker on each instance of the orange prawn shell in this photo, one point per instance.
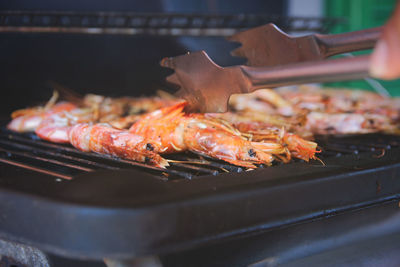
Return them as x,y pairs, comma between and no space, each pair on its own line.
56,127
174,131
205,138
103,139
299,147
162,127
29,119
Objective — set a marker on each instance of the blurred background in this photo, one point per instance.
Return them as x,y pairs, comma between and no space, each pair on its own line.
361,14
127,64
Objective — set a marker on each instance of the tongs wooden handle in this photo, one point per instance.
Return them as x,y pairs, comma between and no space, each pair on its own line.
334,44
307,72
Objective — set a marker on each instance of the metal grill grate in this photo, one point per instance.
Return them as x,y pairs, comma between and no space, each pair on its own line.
155,24
356,144
64,161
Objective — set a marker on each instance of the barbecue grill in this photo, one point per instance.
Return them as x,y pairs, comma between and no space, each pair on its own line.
56,200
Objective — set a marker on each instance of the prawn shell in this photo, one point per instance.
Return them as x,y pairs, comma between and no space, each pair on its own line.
103,139
33,117
204,137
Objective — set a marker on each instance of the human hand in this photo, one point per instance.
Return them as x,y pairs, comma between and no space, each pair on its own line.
385,60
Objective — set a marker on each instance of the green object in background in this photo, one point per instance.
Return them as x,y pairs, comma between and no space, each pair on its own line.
361,14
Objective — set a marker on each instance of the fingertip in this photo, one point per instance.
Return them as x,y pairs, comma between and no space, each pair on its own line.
379,60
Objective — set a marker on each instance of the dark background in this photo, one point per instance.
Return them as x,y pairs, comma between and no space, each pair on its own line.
112,65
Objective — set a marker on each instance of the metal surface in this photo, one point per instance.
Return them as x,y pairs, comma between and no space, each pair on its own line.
207,86
138,262
154,24
365,237
267,45
61,161
127,213
17,255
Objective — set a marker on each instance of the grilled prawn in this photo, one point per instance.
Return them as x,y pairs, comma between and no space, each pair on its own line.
122,112
266,101
325,111
175,131
349,123
123,106
55,128
27,120
96,108
103,139
273,129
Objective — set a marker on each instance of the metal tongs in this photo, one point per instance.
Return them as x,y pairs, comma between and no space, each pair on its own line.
274,59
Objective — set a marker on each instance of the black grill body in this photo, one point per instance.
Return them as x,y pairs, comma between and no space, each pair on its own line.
86,206
129,211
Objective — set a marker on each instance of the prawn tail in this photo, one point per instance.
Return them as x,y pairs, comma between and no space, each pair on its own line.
300,148
268,151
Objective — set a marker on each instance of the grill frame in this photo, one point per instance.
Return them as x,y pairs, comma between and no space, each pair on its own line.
122,214
79,219
172,24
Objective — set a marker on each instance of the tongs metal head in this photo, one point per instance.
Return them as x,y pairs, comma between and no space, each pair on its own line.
207,86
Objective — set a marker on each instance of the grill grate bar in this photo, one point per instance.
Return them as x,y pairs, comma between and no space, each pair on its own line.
222,166
366,147
27,155
194,168
36,169
55,154
329,153
141,165
340,148
35,141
